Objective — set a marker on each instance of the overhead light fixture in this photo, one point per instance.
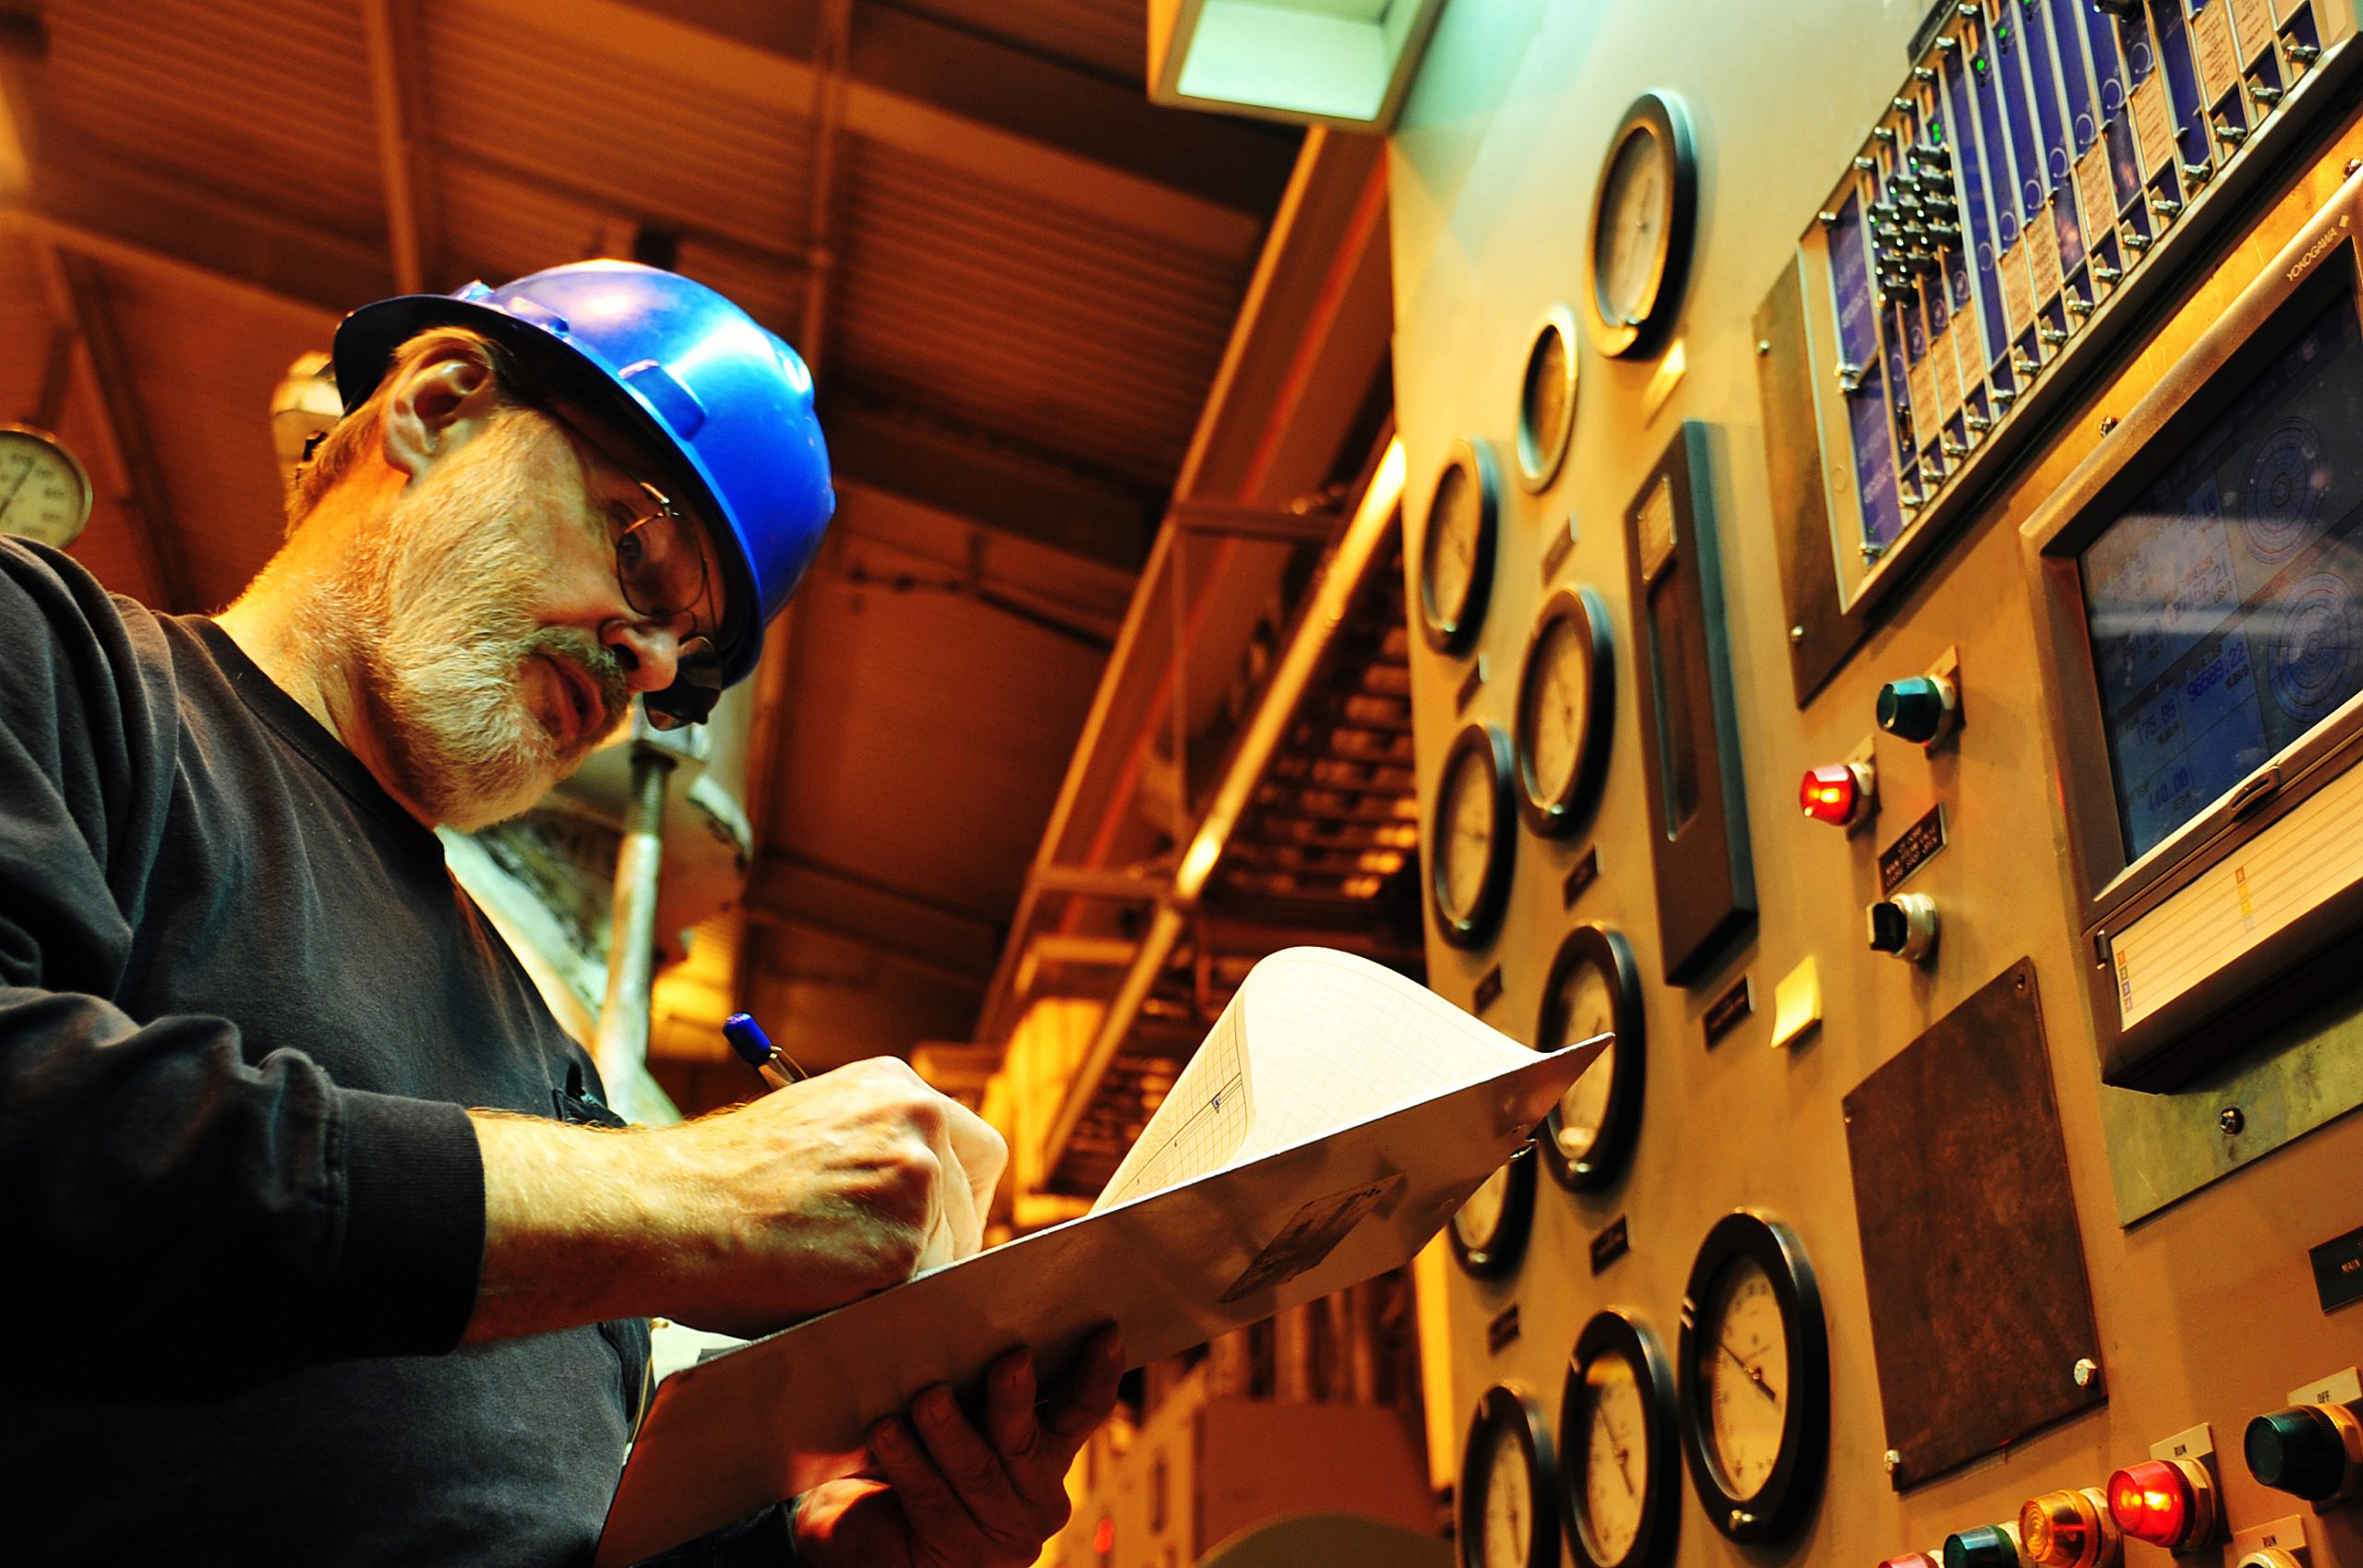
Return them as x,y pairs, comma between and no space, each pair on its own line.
1343,63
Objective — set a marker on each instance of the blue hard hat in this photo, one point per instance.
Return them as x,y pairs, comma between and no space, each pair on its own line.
686,370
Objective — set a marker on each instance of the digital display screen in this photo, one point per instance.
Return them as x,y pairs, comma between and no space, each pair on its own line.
2222,605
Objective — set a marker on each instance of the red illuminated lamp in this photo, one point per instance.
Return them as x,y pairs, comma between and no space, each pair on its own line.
2168,1503
1912,1559
1840,793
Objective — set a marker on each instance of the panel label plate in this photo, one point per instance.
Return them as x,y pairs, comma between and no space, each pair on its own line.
1609,1245
2236,905
1730,1010
2095,191
2219,58
1926,407
2154,124
1913,848
2018,294
2043,254
2253,21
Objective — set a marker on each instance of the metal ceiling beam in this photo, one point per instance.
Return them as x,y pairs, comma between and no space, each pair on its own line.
1000,88
126,428
847,904
413,231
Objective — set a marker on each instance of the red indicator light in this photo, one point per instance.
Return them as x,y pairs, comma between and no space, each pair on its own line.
1839,795
2156,1502
1103,1535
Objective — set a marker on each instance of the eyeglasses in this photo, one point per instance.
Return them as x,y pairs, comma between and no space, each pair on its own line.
662,571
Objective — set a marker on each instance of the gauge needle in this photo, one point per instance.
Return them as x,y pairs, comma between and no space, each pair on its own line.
1749,1368
10,499
1623,1467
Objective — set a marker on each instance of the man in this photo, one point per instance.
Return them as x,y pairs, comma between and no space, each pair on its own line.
305,1262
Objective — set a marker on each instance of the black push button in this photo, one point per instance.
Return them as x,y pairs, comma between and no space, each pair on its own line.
2297,1451
1917,708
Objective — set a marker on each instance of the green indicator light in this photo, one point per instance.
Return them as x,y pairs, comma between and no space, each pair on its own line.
1936,133
1980,67
2002,34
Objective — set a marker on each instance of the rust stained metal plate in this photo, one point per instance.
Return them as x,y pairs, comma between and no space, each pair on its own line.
1981,1305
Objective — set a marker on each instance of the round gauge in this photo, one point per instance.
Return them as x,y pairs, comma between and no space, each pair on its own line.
1457,556
1594,988
1754,1379
1565,712
1619,1484
44,491
1644,223
1489,1231
1546,405
1508,1517
1473,837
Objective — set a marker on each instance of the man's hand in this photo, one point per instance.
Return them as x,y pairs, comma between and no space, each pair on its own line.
742,1222
944,1495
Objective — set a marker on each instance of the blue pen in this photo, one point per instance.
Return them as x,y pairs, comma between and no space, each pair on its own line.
755,1049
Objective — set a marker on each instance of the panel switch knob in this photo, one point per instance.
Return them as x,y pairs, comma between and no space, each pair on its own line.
1905,925
2069,1530
1920,709
1986,1546
2310,1451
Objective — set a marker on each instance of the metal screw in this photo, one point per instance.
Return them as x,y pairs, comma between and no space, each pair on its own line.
2354,167
2108,422
1893,1461
2084,1371
2232,1120
1796,634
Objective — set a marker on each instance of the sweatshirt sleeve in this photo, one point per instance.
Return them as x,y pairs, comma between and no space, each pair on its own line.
211,1223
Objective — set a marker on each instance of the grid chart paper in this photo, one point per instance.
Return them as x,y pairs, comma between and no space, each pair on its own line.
1333,1040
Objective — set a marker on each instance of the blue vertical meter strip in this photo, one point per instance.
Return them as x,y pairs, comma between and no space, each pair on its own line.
1977,227
2182,79
2044,70
2117,126
1858,345
1996,236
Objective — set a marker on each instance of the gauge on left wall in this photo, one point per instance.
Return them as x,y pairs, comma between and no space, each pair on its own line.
1508,1502
1457,550
45,489
1489,1228
1472,837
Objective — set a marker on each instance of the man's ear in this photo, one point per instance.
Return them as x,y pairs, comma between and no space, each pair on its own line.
437,407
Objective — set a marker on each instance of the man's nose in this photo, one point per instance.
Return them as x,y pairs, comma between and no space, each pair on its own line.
648,652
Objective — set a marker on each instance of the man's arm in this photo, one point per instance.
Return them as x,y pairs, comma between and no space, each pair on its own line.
741,1222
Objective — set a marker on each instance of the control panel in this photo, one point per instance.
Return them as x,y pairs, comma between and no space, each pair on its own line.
1909,689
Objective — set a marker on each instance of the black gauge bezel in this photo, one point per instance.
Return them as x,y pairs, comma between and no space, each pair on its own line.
1477,923
1505,1412
1567,809
1662,117
1502,1251
1541,452
1452,628
1598,947
1787,1497
1612,1333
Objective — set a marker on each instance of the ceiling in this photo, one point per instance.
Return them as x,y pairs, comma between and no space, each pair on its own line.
1014,279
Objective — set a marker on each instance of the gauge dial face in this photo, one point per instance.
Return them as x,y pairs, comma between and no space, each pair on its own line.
1456,554
1471,841
1559,710
1509,1505
1629,251
1563,723
1645,221
1590,996
1479,1220
44,494
1467,846
1744,1367
1547,399
1616,1458
1510,1514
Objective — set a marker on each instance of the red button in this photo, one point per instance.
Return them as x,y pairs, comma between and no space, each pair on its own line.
1838,795
2154,1501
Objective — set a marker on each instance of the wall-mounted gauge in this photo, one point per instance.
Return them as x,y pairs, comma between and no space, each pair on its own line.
1566,711
1546,401
1489,1231
1457,554
1509,1516
1644,223
1472,838
1593,988
1620,1482
45,490
1754,1379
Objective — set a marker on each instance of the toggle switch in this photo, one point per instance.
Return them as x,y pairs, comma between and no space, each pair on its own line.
1842,793
2168,1503
2069,1530
1920,709
1986,1546
2310,1451
1904,926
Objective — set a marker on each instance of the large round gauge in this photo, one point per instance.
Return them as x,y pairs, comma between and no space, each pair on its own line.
1754,1379
1566,711
1456,554
1546,403
1594,988
1644,223
44,491
1473,837
1619,1479
1489,1231
1508,1516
